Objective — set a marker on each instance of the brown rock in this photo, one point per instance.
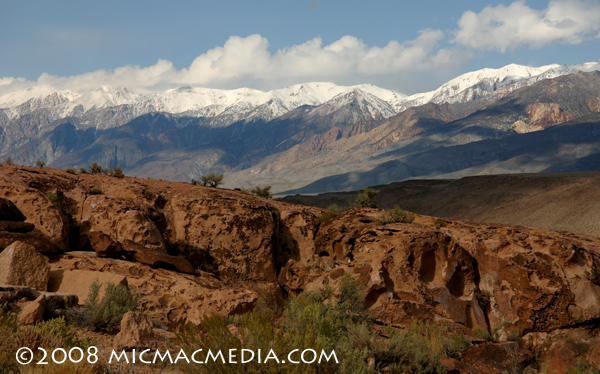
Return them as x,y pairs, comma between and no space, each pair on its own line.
122,219
22,265
40,211
167,296
10,212
233,237
104,245
20,227
42,244
78,282
136,332
33,311
157,259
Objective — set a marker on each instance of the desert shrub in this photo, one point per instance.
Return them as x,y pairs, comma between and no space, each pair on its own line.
582,367
439,223
327,215
211,179
95,191
40,163
51,334
116,171
513,334
52,197
8,161
262,192
396,215
71,170
366,198
320,322
82,171
106,315
335,208
482,333
95,168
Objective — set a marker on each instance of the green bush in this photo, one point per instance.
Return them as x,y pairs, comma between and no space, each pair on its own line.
82,171
95,168
116,171
8,161
106,315
71,170
439,223
51,334
95,191
262,192
319,321
366,198
482,333
396,215
211,180
327,215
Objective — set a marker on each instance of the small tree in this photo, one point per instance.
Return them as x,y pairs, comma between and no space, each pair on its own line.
95,168
40,163
116,171
366,198
262,192
212,179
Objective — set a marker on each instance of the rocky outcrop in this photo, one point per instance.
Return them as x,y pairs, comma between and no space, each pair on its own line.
22,265
230,235
122,220
136,332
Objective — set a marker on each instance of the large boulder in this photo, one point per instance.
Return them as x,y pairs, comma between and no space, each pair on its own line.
40,211
104,245
41,243
136,332
22,265
121,219
230,235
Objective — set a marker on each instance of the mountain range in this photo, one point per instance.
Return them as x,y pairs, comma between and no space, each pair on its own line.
316,137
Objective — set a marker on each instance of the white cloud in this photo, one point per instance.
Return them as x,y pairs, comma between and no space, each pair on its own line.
248,62
508,27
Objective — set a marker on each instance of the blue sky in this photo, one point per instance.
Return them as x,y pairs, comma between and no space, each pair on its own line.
407,46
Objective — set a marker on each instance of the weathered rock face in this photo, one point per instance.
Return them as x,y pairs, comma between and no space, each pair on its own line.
231,236
121,219
39,210
22,265
168,296
535,282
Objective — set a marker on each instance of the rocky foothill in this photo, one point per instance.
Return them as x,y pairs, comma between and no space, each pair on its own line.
189,251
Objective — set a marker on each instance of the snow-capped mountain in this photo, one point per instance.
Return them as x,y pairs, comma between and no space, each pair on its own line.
218,108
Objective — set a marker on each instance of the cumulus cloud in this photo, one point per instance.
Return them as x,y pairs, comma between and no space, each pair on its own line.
248,61
508,27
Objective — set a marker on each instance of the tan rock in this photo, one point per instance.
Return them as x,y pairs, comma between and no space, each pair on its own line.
22,265
78,282
234,238
39,211
122,219
33,311
136,332
41,243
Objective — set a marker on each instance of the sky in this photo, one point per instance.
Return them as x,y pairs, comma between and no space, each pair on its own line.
405,46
